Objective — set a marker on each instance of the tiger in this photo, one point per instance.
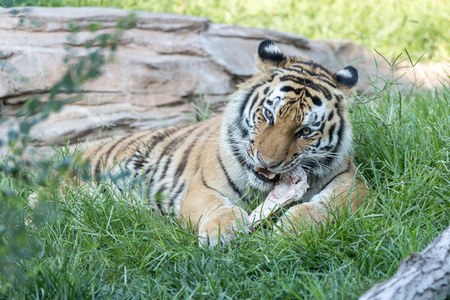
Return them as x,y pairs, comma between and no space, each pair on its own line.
293,112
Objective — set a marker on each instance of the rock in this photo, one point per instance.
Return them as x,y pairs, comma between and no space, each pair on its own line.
163,65
423,275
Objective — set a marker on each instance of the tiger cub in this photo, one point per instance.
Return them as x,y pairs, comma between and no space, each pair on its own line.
293,112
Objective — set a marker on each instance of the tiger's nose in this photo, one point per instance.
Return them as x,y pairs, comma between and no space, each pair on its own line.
265,163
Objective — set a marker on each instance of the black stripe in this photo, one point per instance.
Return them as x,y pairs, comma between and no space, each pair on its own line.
236,150
136,136
171,145
295,69
308,83
316,101
165,152
114,146
254,114
288,88
346,170
317,144
306,63
256,96
331,115
340,131
247,97
159,199
166,167
322,80
207,185
302,70
242,129
320,88
322,128
315,65
177,193
137,139
172,149
155,140
247,122
315,117
327,148
98,166
331,131
230,181
299,80
160,207
135,157
200,151
326,92
161,189
97,171
186,154
253,102
244,104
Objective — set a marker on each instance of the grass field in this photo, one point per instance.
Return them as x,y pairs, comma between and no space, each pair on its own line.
385,25
86,244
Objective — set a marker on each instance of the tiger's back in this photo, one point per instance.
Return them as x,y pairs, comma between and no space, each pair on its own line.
166,160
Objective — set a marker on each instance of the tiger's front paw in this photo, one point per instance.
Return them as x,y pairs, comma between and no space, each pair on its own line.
222,226
300,217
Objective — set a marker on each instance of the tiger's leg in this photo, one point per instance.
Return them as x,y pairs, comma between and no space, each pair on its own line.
345,191
215,218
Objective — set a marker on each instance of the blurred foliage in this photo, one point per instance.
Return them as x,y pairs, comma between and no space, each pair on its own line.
20,173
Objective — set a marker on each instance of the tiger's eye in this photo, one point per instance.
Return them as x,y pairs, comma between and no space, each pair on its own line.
306,130
268,115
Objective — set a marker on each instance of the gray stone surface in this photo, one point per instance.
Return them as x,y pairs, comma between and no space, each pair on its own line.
162,66
423,275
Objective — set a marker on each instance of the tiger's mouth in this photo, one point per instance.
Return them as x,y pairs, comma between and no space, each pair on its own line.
265,175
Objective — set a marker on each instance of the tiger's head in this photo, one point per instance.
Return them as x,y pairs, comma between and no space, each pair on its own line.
293,112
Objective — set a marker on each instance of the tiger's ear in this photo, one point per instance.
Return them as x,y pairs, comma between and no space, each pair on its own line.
347,79
269,56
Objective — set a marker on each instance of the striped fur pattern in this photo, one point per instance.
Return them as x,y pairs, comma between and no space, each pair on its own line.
293,112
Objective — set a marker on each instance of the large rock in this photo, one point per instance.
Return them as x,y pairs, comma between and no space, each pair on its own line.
162,66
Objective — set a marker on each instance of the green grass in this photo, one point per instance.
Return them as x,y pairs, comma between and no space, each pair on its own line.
385,25
100,245
93,246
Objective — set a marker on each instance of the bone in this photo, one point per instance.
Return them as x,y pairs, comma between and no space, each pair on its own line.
291,187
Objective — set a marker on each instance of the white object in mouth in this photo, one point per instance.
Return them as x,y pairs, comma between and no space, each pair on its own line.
291,187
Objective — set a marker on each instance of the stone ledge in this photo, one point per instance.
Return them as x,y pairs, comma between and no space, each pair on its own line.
162,66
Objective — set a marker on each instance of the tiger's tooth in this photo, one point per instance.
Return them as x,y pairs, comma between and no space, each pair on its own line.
271,176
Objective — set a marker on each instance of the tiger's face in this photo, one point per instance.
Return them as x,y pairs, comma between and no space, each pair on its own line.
293,113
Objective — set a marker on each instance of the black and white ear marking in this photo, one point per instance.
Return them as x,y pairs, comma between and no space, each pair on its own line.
268,51
348,76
